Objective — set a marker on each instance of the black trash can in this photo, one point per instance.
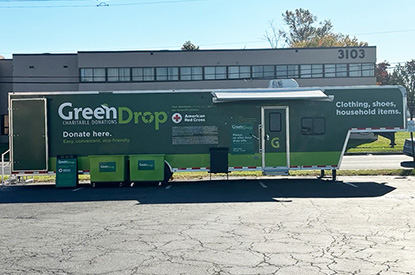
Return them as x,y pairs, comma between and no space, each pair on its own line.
219,160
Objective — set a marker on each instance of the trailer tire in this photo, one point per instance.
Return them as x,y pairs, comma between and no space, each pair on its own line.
168,174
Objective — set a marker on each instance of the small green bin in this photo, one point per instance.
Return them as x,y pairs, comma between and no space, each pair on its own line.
66,171
108,168
146,168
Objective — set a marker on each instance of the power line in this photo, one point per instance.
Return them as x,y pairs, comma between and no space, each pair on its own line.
99,4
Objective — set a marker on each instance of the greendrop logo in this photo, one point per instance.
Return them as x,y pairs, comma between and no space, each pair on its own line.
123,115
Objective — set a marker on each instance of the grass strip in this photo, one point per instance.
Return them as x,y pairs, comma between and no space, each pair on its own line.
304,173
381,145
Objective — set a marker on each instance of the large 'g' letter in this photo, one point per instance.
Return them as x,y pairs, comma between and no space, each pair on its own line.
60,111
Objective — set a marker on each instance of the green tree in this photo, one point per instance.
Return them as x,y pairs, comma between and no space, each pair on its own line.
405,75
329,40
302,26
304,30
189,46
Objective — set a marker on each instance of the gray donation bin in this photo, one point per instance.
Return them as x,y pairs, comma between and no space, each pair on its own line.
66,171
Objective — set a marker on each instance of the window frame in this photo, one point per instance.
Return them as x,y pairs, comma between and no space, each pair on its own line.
312,129
371,71
270,120
118,77
92,76
263,71
215,75
143,76
171,74
193,74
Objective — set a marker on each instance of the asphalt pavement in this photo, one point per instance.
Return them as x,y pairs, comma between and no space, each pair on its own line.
358,225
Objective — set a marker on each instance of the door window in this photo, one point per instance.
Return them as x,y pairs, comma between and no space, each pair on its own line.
275,122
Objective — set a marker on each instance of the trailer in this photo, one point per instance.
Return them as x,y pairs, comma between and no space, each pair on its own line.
134,136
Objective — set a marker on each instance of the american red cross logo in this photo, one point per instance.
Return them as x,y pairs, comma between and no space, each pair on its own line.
176,118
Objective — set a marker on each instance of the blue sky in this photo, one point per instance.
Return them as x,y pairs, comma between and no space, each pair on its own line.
79,25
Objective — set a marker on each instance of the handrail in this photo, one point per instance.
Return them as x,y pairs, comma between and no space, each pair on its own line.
2,167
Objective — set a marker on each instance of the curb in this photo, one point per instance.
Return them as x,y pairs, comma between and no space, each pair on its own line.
374,153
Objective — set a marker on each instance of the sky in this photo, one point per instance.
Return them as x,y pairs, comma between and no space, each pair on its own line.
68,26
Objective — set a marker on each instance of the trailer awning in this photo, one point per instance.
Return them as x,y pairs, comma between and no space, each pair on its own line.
220,96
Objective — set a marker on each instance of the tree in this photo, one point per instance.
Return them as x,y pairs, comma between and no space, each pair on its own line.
273,36
301,25
189,46
381,73
329,40
405,75
305,31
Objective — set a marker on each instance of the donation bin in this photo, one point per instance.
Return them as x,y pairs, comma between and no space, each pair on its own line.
108,168
146,168
66,171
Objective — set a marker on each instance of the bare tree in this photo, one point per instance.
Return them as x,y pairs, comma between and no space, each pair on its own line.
273,35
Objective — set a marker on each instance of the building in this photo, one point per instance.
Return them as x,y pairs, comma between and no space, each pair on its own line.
200,69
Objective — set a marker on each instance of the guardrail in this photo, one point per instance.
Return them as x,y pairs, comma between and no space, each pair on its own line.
3,165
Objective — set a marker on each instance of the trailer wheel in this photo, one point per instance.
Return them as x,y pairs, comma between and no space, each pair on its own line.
167,173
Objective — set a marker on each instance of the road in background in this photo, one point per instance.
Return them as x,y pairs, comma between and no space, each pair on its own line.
373,162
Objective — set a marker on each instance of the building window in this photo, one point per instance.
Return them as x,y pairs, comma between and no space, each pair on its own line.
167,73
263,72
368,69
316,70
215,72
235,72
118,74
313,126
355,70
223,72
329,70
287,71
93,75
305,71
308,71
5,125
341,70
191,73
275,122
293,71
282,71
142,74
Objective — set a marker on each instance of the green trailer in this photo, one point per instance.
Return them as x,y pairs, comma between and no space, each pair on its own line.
157,133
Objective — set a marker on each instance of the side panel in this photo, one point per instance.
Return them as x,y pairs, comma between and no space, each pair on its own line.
183,126
29,135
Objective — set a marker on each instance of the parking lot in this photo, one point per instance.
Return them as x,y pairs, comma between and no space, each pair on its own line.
359,225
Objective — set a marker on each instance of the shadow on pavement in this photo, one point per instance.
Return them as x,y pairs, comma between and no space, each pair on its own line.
264,190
